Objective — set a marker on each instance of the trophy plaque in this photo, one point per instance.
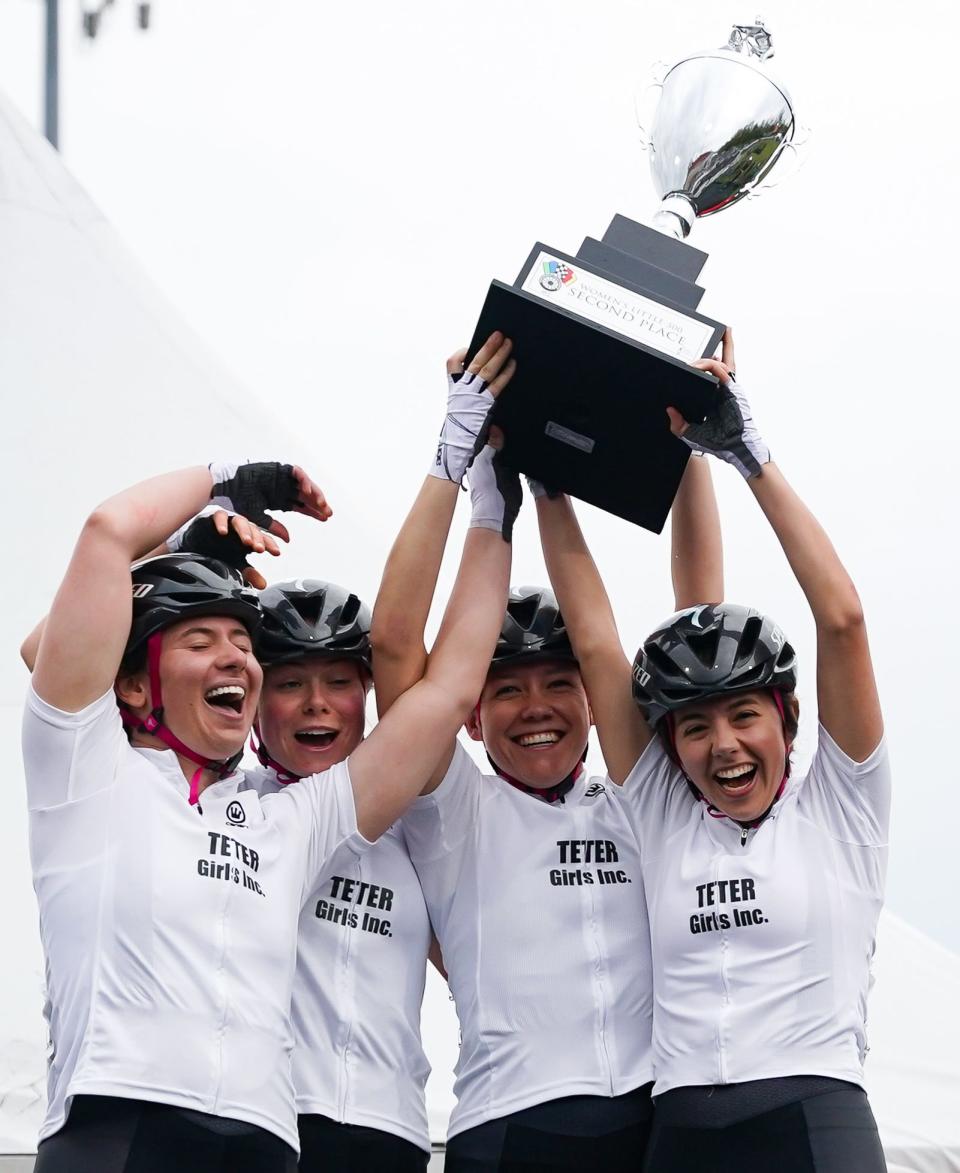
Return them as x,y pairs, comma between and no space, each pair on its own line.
603,339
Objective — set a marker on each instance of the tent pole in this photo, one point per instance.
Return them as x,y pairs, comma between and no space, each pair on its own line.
51,90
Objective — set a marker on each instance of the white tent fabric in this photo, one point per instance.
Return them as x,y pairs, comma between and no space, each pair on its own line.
104,384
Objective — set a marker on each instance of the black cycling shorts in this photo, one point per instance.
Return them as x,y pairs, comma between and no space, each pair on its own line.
108,1134
802,1124
329,1147
608,1134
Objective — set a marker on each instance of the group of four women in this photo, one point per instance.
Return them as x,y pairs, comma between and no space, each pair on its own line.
236,959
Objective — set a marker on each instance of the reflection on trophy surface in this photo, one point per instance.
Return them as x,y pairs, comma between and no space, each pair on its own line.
721,124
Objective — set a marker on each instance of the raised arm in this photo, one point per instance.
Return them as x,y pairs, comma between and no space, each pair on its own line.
849,706
410,575
697,573
84,636
696,546
410,749
589,620
847,697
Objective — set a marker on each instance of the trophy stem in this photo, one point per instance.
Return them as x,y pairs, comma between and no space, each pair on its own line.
675,217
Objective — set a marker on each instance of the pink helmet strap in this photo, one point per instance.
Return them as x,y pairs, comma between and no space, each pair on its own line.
153,724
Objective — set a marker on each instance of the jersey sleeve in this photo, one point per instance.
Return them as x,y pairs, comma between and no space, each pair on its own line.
436,825
68,757
849,800
656,795
323,808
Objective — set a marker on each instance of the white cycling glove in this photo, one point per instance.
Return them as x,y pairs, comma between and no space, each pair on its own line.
494,493
468,403
729,433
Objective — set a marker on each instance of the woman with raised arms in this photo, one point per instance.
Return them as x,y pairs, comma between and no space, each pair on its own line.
531,872
169,896
763,889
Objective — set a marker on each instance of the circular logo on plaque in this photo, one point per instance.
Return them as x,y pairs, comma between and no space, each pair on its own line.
236,814
550,282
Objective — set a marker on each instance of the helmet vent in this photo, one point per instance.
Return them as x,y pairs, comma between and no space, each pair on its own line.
349,610
748,640
786,657
195,598
175,574
310,606
704,646
659,659
525,610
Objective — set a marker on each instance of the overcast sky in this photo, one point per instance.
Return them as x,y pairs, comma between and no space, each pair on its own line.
324,192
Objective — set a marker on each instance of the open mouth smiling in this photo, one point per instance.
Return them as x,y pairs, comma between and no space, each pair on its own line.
540,740
316,738
226,697
736,779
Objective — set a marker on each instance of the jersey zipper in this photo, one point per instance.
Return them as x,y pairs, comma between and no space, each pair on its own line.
348,1012
591,899
725,993
222,983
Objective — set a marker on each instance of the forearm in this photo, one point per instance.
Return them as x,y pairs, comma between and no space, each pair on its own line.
391,767
576,581
821,575
85,633
141,518
407,590
590,623
696,545
471,623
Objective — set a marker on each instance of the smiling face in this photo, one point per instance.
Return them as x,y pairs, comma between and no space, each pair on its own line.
312,713
210,684
733,750
534,720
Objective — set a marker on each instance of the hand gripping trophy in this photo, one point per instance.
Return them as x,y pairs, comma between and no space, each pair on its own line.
604,339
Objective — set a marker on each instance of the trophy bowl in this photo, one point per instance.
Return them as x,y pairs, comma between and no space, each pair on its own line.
721,124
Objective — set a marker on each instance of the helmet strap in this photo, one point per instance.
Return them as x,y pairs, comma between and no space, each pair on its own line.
284,776
154,726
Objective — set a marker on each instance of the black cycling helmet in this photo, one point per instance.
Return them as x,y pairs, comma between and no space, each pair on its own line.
709,650
305,617
532,627
176,586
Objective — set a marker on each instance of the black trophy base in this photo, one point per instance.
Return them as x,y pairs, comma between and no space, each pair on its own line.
586,410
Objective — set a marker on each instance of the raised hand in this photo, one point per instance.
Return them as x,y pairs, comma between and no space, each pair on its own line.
471,392
729,432
253,488
230,537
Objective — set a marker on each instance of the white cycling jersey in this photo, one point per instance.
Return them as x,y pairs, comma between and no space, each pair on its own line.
169,930
762,938
361,969
540,915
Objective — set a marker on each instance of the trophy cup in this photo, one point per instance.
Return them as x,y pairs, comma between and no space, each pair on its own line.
604,339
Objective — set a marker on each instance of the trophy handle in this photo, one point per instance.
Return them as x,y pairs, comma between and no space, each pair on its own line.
782,172
645,99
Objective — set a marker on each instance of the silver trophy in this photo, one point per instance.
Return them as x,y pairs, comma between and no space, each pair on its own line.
605,338
721,124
